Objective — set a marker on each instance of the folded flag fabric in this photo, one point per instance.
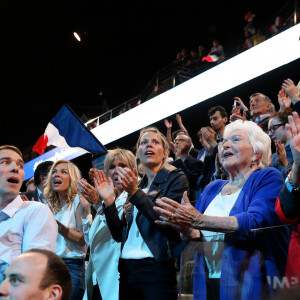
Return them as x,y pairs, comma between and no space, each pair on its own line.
210,58
66,130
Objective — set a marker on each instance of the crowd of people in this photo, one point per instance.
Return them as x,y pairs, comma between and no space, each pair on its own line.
203,56
121,233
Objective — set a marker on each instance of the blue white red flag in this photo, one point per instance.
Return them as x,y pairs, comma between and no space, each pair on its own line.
66,130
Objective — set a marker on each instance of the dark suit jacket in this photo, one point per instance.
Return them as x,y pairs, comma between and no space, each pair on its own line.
34,194
164,243
192,168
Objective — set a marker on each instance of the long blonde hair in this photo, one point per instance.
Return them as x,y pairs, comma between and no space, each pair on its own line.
52,196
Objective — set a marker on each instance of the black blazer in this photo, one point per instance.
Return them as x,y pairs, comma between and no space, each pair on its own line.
33,194
192,168
164,243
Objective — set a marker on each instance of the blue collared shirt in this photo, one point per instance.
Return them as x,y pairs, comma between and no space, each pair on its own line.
25,225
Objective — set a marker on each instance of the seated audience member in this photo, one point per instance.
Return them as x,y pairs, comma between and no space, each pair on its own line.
178,60
218,50
30,186
40,176
102,276
237,261
288,202
148,252
36,274
283,158
191,166
24,225
185,57
62,194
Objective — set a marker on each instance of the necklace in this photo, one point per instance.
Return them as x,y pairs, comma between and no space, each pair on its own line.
231,189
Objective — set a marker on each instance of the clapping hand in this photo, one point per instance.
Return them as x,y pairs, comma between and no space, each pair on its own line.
87,191
105,187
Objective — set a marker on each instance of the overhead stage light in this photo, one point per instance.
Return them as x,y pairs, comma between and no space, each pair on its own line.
77,36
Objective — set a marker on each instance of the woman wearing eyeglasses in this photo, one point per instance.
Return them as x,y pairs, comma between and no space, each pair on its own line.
282,158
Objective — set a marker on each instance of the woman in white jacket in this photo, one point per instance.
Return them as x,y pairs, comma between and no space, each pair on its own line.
102,276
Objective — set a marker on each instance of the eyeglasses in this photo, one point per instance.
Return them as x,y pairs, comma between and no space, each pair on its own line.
273,128
180,140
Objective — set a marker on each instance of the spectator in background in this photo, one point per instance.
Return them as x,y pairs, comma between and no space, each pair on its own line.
37,274
40,176
218,50
24,225
62,194
260,107
185,57
30,186
283,158
171,136
218,119
194,59
203,142
191,166
178,60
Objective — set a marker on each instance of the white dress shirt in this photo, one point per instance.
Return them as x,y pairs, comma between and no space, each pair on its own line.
70,216
135,247
25,225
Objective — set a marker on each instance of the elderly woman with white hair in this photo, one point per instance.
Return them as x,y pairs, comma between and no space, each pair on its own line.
236,259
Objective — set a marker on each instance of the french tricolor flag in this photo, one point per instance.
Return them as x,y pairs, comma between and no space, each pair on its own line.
66,130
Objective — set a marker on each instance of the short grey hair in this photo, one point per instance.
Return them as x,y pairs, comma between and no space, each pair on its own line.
257,138
266,98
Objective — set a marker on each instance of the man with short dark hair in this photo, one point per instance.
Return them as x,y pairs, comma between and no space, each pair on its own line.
37,274
218,119
40,176
23,224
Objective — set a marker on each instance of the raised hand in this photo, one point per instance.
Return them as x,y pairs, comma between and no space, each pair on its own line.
293,135
128,178
240,104
178,216
105,187
281,153
209,139
291,90
178,119
283,100
168,124
87,191
292,130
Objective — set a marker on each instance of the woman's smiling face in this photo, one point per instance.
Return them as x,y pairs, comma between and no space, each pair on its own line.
236,153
